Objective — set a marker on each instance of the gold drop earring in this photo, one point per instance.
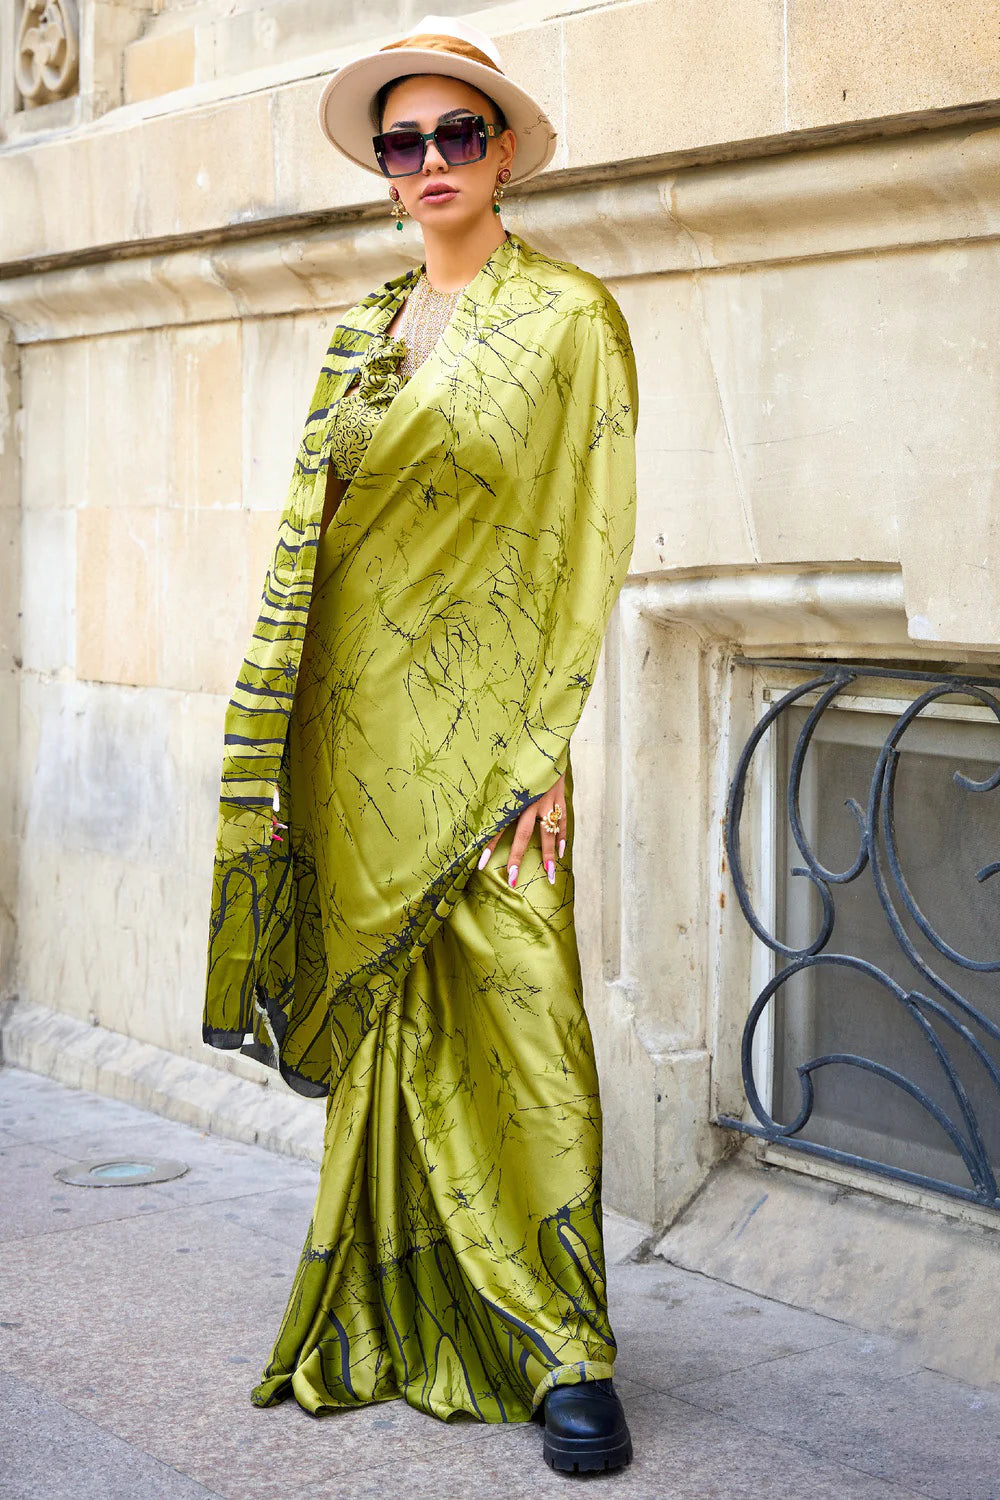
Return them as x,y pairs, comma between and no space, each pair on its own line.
398,207
503,176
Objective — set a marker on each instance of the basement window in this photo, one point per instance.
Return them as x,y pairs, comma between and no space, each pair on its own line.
873,888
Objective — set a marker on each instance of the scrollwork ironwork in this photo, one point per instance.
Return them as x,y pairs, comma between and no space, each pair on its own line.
946,1021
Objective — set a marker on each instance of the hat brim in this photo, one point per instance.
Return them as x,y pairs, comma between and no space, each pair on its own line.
345,105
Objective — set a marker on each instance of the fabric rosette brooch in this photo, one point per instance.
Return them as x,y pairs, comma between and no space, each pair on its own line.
380,377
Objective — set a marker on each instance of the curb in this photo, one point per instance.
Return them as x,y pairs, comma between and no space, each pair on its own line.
70,1051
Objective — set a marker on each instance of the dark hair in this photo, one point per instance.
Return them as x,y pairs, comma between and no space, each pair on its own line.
499,120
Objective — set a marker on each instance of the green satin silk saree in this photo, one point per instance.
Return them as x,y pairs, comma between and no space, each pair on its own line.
413,681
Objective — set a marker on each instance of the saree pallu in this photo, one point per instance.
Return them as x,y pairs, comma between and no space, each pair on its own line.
405,695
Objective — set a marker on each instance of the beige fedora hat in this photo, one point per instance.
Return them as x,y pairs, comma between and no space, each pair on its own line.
437,44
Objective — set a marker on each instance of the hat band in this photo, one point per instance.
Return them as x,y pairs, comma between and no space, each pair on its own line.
432,42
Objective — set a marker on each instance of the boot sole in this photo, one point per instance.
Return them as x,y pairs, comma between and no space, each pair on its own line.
586,1455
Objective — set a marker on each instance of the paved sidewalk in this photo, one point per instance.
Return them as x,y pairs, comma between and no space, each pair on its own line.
133,1322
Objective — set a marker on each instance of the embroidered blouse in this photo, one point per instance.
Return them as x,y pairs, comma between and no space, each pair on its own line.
365,404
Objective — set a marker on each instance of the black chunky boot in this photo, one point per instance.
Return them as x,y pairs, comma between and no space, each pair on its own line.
585,1428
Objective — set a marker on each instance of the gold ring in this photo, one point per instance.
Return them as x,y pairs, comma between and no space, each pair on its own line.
550,822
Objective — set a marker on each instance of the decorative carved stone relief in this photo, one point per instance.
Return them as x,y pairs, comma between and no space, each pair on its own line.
47,54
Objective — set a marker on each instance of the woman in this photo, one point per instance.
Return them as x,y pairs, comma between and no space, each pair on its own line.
392,919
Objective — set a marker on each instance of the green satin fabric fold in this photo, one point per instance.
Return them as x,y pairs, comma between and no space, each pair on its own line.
455,1255
464,585
412,682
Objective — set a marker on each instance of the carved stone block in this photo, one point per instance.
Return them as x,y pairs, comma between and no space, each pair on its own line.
47,55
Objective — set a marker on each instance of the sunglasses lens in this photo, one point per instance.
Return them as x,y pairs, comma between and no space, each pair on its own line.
460,141
401,151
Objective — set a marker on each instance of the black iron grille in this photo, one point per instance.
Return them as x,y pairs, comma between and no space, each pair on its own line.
873,964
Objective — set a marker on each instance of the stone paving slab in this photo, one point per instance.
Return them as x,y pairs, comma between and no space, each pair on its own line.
131,1334
862,1406
675,1327
61,1126
34,1108
49,1451
281,1215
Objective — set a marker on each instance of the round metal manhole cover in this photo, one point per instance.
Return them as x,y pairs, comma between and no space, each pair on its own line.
120,1171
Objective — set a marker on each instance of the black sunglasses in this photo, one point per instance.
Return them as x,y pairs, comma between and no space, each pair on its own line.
401,153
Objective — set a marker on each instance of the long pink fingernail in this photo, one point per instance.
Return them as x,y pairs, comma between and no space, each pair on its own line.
484,858
512,875
562,847
550,870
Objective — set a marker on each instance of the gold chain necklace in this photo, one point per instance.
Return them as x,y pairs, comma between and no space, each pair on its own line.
428,313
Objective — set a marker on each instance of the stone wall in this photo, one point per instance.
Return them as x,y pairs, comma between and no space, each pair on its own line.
803,234
10,649
198,41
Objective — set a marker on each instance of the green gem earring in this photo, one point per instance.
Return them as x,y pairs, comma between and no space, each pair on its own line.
398,208
502,176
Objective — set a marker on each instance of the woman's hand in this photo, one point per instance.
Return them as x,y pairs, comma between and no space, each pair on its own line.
532,814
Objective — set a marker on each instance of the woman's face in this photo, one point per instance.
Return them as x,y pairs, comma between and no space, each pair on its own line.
423,101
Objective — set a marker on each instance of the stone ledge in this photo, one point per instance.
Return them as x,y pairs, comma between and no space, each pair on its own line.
210,161
886,196
782,605
807,610
885,1266
45,1041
